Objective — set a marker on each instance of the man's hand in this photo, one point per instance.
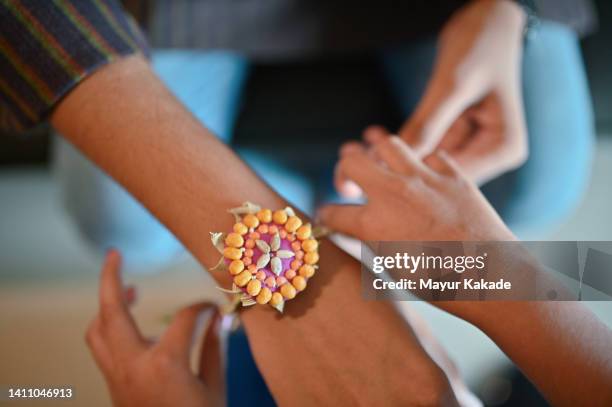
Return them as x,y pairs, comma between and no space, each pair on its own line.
472,107
141,373
126,121
410,199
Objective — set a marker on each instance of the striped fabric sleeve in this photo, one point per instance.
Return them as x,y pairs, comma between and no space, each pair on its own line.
48,47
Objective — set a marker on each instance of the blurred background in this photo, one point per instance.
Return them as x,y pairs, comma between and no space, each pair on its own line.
50,252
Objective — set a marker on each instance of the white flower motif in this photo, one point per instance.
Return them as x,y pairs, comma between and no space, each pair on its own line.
272,254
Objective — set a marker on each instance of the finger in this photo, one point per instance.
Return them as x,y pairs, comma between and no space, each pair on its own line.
400,158
350,147
435,116
492,150
178,339
375,134
344,186
212,369
360,168
98,347
342,218
441,163
458,135
488,112
483,158
117,323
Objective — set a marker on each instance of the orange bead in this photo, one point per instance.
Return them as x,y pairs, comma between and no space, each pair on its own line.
280,217
232,253
299,255
289,274
254,235
280,280
261,275
234,240
288,291
295,264
240,228
311,258
242,279
307,271
262,229
249,244
310,245
272,229
250,220
304,232
247,261
252,268
236,267
265,215
296,246
276,299
270,282
254,287
293,223
248,253
299,283
264,296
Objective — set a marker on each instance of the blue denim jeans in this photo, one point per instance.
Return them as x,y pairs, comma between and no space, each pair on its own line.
531,199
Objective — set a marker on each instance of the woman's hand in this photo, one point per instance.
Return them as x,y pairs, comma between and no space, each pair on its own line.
472,107
141,373
410,199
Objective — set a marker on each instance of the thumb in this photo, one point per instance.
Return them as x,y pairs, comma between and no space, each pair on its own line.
437,111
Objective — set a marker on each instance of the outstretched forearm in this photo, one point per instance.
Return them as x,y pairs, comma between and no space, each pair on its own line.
561,346
330,345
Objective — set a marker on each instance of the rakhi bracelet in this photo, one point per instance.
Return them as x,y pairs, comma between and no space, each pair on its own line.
271,255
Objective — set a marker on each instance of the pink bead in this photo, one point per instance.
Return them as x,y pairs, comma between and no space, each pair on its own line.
289,274
261,275
254,235
248,253
295,264
280,280
272,229
262,229
249,244
270,282
283,233
299,254
247,261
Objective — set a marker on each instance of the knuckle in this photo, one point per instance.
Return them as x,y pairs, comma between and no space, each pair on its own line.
514,156
162,361
401,186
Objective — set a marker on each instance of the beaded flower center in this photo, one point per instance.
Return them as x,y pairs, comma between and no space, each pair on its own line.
271,256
